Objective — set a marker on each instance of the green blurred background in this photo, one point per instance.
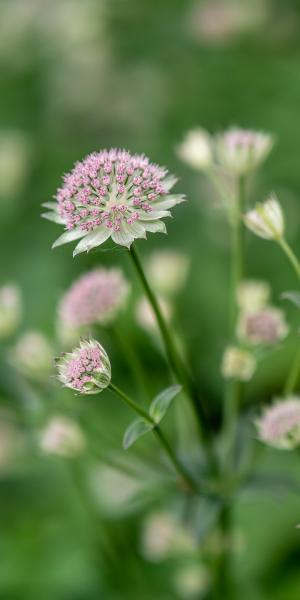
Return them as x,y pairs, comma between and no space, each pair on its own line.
77,76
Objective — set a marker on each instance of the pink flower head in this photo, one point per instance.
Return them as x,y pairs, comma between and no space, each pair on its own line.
96,297
242,150
86,369
266,326
279,426
112,193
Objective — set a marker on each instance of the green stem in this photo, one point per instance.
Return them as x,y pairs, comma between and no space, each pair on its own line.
160,436
177,364
293,374
223,586
290,255
234,388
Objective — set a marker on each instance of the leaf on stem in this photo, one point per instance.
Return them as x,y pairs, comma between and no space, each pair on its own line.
162,401
135,430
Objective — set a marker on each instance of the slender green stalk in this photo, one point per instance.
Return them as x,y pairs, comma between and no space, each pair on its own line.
234,388
293,374
290,255
223,582
176,362
160,436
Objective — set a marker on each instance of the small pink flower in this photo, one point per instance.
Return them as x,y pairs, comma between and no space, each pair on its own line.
279,426
86,369
96,297
113,180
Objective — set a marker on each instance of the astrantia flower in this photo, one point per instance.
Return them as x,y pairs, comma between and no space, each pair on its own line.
238,364
114,194
279,425
62,436
86,369
196,149
266,220
242,150
96,297
253,295
267,326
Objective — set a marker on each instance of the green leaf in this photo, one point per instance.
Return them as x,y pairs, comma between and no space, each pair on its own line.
135,430
161,403
293,297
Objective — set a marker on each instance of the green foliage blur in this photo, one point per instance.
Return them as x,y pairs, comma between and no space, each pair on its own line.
77,76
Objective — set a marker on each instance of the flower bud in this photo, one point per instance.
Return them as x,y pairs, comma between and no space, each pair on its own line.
86,369
62,436
32,356
253,295
242,151
267,326
279,426
167,271
238,364
266,220
10,310
196,149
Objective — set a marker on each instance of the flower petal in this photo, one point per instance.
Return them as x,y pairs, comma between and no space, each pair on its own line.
51,205
169,202
93,239
52,216
125,235
155,226
154,214
169,182
68,236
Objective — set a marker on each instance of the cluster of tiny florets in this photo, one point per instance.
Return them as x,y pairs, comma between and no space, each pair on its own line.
86,369
109,187
95,297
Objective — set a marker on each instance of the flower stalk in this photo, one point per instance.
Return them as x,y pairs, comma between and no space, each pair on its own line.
176,363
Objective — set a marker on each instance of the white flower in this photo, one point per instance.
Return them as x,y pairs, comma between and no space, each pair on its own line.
266,220
164,536
196,149
167,271
62,436
238,364
32,355
241,150
253,295
10,310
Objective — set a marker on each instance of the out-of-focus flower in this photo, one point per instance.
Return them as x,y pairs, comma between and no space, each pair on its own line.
86,369
196,149
10,309
253,295
267,326
15,156
279,426
167,271
163,536
192,580
222,21
241,150
32,355
114,194
238,364
266,220
62,436
146,317
96,297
